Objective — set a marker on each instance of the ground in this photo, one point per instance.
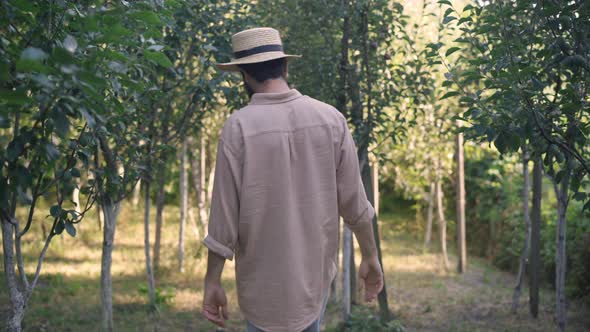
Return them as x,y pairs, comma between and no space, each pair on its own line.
422,295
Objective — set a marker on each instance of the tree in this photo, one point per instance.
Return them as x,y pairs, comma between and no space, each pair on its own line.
356,63
428,234
535,256
183,203
460,202
526,82
59,79
442,222
527,222
346,267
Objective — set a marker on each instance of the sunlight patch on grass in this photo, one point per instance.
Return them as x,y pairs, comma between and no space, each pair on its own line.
422,294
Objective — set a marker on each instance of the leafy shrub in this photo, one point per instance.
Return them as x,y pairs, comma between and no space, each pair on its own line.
495,226
362,319
577,247
164,296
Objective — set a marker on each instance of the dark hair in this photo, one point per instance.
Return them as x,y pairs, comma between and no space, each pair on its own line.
262,71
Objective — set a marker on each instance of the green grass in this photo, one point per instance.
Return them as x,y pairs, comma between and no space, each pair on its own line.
422,295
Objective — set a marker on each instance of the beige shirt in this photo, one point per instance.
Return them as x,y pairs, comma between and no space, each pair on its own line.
287,168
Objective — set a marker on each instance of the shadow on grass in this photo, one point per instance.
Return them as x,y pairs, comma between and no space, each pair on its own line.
72,303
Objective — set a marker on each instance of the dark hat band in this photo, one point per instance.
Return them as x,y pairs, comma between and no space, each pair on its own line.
257,50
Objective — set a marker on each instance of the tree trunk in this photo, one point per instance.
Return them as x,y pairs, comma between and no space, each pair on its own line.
346,251
375,177
198,173
136,194
384,312
111,212
460,200
192,218
428,235
146,244
561,192
210,180
99,216
15,295
183,205
442,224
417,217
353,286
334,284
535,261
160,200
341,104
527,225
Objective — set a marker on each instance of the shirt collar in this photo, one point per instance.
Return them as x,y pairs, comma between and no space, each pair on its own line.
267,98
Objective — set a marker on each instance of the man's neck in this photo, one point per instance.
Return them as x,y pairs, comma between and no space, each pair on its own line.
277,85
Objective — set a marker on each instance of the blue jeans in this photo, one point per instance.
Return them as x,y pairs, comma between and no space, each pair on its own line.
314,327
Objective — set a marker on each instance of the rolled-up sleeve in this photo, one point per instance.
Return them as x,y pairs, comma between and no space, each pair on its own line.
353,206
225,202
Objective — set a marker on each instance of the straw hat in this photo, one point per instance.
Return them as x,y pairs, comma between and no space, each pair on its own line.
255,45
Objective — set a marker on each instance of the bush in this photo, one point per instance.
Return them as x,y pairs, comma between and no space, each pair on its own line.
577,248
495,224
362,319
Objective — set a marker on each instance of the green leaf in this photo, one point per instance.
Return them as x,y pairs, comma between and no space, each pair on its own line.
452,50
62,55
468,7
25,6
4,72
146,16
75,172
115,33
14,97
449,19
580,196
93,80
559,176
4,122
463,20
23,176
159,58
14,149
444,2
55,210
70,229
450,94
447,83
59,227
575,183
61,122
500,143
29,66
114,55
52,153
33,54
513,142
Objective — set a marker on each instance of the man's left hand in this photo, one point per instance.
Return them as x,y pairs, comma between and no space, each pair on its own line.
215,304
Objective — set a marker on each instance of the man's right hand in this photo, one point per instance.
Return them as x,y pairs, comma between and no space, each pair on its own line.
371,276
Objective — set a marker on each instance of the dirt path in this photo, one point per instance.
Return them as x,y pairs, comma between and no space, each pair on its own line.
426,298
422,295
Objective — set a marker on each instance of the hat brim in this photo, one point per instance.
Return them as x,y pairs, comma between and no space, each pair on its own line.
261,57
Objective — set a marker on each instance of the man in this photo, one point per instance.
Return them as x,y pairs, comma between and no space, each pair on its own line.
287,168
